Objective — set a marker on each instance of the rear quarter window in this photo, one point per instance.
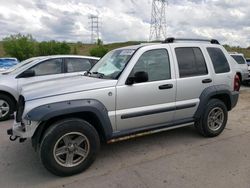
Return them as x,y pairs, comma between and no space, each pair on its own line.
219,60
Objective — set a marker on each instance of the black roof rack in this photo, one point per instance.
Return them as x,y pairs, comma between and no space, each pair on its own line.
172,40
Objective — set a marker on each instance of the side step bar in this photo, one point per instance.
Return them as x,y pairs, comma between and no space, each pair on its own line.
122,138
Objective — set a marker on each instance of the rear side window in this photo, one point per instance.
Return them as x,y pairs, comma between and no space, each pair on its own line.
191,62
239,59
77,64
219,60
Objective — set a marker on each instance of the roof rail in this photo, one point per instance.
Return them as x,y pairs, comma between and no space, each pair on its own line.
172,40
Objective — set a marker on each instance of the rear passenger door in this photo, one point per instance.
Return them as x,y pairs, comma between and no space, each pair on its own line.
76,66
193,76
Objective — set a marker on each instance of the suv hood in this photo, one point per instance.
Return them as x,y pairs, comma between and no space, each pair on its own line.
64,86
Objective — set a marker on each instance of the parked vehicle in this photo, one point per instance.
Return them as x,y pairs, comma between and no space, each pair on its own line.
248,64
35,70
6,63
240,66
132,90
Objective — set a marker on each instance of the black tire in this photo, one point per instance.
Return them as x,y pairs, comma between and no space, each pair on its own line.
202,125
11,105
57,131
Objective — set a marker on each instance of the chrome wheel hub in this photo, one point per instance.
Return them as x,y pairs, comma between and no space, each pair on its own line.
71,149
4,108
215,118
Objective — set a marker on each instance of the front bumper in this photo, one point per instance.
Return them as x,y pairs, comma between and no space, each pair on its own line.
22,131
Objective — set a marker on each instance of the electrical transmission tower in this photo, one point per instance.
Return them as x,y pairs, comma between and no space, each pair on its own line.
94,27
158,20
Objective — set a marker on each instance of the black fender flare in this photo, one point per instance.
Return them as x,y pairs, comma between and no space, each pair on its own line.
212,91
45,112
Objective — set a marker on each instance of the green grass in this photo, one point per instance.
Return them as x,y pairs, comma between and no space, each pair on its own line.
83,49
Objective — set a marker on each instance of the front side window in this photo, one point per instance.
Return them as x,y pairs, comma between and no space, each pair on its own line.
191,62
155,63
53,66
112,64
219,60
77,65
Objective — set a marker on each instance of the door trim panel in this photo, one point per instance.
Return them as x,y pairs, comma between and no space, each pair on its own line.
156,111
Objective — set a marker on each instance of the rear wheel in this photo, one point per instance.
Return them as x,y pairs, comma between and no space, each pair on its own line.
213,119
7,106
69,147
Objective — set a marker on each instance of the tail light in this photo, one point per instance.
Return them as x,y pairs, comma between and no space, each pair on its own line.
236,83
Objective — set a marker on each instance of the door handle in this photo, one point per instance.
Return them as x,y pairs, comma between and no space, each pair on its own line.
205,81
166,86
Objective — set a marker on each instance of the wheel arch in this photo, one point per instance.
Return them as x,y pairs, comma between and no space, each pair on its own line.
221,92
91,111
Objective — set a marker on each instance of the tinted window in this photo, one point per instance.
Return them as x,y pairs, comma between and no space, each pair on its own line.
239,59
155,63
53,66
219,60
77,65
248,62
191,62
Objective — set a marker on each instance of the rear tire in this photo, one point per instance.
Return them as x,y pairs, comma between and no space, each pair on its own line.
69,147
7,107
213,119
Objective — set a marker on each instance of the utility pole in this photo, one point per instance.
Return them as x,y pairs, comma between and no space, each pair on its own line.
94,27
158,20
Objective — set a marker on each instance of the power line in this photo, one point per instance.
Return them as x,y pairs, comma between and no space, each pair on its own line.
158,25
94,27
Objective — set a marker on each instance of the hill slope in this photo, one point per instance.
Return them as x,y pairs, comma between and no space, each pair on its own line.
83,49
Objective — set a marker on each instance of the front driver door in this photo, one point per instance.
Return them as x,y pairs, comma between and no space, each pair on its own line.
151,102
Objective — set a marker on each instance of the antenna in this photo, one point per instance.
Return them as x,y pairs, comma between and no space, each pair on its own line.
94,27
158,20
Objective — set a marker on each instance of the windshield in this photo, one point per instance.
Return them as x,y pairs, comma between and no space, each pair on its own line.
112,64
239,59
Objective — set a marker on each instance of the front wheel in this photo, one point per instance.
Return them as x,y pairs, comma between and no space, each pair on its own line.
69,147
7,106
213,119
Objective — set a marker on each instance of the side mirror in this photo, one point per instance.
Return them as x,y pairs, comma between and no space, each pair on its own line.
139,77
27,74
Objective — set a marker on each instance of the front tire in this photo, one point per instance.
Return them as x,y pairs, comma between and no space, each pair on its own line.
7,106
213,119
69,147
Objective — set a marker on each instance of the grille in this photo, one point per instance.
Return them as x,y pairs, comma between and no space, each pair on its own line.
20,108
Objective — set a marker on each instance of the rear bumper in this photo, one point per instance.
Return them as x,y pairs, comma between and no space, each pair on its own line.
245,76
234,98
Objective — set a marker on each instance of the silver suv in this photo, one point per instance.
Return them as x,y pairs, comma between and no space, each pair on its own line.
36,70
133,90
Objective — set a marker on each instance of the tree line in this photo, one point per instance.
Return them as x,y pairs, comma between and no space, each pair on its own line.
25,46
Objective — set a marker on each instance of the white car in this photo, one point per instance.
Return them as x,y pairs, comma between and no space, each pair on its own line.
240,66
35,70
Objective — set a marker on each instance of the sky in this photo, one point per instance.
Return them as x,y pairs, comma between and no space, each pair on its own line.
126,20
